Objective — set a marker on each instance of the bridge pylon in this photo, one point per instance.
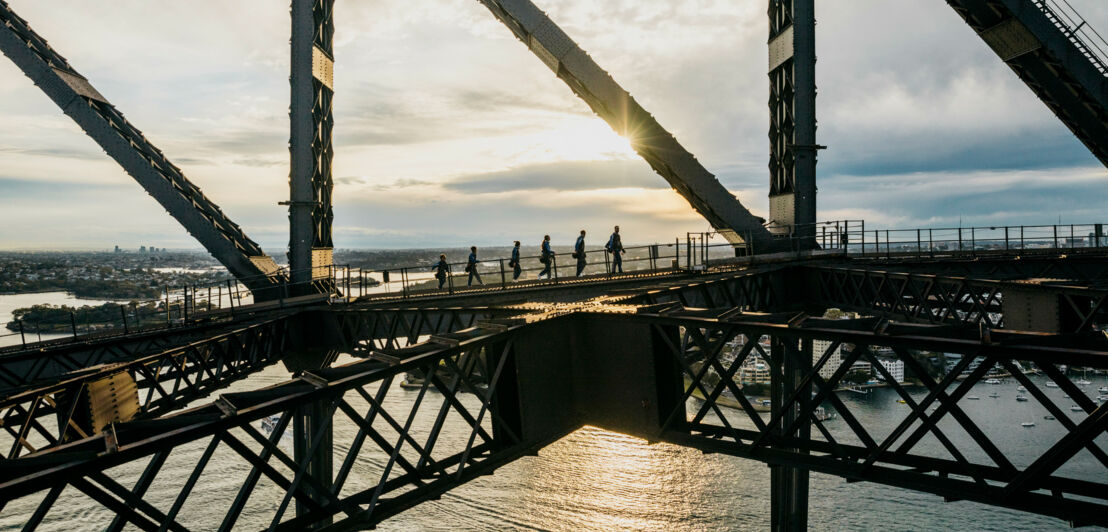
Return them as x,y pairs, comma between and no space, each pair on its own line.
311,118
792,125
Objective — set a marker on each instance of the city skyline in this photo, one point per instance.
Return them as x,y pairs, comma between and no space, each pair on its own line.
448,132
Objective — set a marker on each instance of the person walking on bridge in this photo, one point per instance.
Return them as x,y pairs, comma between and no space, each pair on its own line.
615,247
546,257
442,269
579,253
471,267
514,263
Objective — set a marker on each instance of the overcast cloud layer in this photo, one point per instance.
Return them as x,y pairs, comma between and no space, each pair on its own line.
449,132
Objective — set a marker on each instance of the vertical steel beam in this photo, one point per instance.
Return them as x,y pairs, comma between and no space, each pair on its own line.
310,179
313,447
789,485
792,132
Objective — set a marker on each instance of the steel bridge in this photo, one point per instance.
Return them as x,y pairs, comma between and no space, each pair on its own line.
502,370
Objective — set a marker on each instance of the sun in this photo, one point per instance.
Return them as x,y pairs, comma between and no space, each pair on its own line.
585,139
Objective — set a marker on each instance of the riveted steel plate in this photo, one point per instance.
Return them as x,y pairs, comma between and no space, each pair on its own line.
79,85
323,68
781,49
1010,39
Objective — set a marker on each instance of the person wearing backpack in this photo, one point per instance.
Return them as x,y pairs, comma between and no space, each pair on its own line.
471,267
514,263
547,257
615,247
442,269
579,253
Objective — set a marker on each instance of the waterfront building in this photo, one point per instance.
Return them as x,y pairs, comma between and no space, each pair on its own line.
754,371
894,366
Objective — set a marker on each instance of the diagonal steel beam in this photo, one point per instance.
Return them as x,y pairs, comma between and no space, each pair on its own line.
101,121
612,103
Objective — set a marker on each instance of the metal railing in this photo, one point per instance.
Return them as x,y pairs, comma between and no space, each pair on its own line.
188,303
851,238
212,302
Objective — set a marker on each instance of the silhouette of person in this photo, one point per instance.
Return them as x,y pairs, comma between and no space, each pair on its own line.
514,262
442,269
547,257
615,247
579,253
471,267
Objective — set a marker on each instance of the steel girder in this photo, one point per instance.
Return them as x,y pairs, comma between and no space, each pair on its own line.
310,179
1082,269
792,122
472,371
1050,58
101,121
612,103
53,414
367,331
43,363
965,301
758,291
970,467
467,377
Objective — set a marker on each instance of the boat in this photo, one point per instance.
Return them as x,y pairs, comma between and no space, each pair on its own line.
269,424
992,381
1103,389
1048,417
994,395
972,397
1083,382
1076,408
823,415
1021,388
1021,397
901,401
1027,424
1051,384
1065,397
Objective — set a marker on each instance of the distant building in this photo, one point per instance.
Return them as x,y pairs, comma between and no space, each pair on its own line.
894,366
754,371
142,249
828,369
117,250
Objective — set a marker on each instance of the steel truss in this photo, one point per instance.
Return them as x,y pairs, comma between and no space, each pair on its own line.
368,330
80,405
466,378
122,141
966,301
948,466
759,290
1072,266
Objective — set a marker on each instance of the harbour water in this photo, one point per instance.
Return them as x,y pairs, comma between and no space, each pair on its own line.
599,480
10,302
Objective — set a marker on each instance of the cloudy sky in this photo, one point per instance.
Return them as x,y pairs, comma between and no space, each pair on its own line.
448,131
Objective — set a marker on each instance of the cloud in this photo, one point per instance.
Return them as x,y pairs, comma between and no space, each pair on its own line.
565,176
448,129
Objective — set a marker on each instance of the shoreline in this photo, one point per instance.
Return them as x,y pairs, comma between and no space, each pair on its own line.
75,296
